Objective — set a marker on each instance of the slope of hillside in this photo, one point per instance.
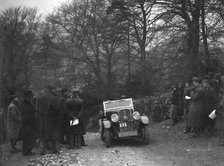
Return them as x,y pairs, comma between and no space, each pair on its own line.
173,144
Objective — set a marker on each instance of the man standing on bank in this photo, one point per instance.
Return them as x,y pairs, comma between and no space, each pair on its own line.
13,122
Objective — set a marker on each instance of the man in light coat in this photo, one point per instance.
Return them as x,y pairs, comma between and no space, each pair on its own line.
13,123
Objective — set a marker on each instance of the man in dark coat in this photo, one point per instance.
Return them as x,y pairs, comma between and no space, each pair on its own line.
157,112
65,117
219,121
29,123
187,94
176,105
75,107
197,114
210,103
48,120
215,82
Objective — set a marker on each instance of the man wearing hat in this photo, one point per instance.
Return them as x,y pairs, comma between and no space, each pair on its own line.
75,107
29,123
210,103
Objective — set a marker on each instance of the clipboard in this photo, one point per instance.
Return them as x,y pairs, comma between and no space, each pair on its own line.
74,122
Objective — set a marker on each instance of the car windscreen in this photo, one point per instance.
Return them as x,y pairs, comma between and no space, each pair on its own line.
117,104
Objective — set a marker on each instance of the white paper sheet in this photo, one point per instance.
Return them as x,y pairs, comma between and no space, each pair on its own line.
74,122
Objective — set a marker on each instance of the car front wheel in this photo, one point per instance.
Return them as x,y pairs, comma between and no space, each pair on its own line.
145,135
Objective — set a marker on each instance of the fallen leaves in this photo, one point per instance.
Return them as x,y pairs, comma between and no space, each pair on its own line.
64,158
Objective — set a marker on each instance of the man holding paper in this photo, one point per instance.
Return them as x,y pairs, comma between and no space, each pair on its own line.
187,99
219,121
210,104
76,129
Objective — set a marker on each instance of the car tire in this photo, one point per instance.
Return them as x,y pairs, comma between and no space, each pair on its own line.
108,137
145,135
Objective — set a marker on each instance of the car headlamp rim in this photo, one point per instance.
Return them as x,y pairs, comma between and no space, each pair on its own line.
136,115
114,118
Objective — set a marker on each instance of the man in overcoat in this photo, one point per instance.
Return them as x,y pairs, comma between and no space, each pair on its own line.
64,117
197,113
187,98
13,122
48,120
210,103
176,105
219,121
29,123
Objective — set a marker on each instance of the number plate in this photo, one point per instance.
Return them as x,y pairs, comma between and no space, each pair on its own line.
128,134
123,124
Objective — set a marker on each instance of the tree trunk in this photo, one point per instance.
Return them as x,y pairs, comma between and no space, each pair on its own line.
193,39
27,72
143,45
193,44
129,56
109,77
205,37
74,74
1,69
55,76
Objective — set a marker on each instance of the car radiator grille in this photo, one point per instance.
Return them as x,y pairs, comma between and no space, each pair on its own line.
125,115
126,121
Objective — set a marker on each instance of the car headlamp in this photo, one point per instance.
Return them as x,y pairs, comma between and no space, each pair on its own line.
114,118
136,115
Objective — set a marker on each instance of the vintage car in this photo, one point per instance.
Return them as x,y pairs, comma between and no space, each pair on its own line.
120,120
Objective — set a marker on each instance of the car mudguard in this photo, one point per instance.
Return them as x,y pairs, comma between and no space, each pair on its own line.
144,119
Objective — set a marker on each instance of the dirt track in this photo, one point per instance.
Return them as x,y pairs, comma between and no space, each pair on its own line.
168,147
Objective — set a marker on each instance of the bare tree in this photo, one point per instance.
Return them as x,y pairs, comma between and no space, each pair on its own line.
18,27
